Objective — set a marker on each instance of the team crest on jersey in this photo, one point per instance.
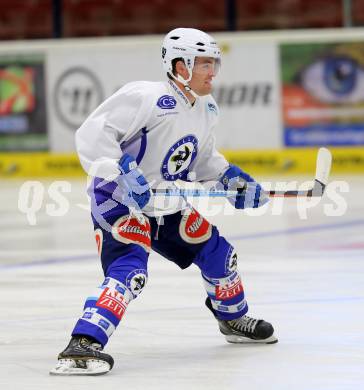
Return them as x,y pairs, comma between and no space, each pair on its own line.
166,102
178,159
231,263
129,230
194,228
136,281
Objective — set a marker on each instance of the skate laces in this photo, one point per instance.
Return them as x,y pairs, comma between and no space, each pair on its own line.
244,324
89,345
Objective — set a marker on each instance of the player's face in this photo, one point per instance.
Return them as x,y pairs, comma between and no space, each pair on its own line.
204,70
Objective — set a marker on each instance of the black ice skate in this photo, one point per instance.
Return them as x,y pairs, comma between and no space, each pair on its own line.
245,329
83,356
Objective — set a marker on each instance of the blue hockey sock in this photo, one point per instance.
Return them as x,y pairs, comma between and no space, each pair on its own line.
104,309
218,264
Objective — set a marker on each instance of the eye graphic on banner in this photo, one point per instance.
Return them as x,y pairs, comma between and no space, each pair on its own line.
76,93
334,80
322,93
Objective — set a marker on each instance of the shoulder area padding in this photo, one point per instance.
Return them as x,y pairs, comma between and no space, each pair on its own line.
144,88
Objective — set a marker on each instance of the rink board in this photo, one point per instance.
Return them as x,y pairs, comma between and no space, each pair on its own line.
266,162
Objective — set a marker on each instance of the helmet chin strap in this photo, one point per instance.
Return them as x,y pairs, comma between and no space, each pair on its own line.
185,83
191,91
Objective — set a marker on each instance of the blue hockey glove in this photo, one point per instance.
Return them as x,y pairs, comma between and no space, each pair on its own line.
134,189
250,193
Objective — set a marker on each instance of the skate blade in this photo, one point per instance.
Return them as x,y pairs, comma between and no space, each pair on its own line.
234,339
69,367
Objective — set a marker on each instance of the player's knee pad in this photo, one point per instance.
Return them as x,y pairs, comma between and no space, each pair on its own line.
218,258
130,271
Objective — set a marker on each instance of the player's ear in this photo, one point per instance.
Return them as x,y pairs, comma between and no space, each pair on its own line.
181,69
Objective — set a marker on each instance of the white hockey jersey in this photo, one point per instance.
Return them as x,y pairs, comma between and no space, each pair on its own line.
156,124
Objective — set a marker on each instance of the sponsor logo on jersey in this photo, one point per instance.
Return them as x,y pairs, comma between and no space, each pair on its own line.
194,228
129,230
229,290
179,157
211,107
166,102
163,114
112,301
99,240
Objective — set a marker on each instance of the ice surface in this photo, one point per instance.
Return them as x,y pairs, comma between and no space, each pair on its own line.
306,276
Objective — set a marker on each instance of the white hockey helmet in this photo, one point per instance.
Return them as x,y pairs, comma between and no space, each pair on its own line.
188,43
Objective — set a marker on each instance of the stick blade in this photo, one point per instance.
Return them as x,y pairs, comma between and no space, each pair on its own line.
323,168
323,165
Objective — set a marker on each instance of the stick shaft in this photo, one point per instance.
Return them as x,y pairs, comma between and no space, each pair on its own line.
317,190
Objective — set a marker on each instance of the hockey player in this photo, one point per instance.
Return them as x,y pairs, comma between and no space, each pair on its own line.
145,134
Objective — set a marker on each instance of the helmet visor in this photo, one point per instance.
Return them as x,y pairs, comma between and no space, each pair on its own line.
207,66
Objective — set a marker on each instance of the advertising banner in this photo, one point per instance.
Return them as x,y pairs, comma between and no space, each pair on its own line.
323,93
248,93
246,89
80,78
23,121
271,93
